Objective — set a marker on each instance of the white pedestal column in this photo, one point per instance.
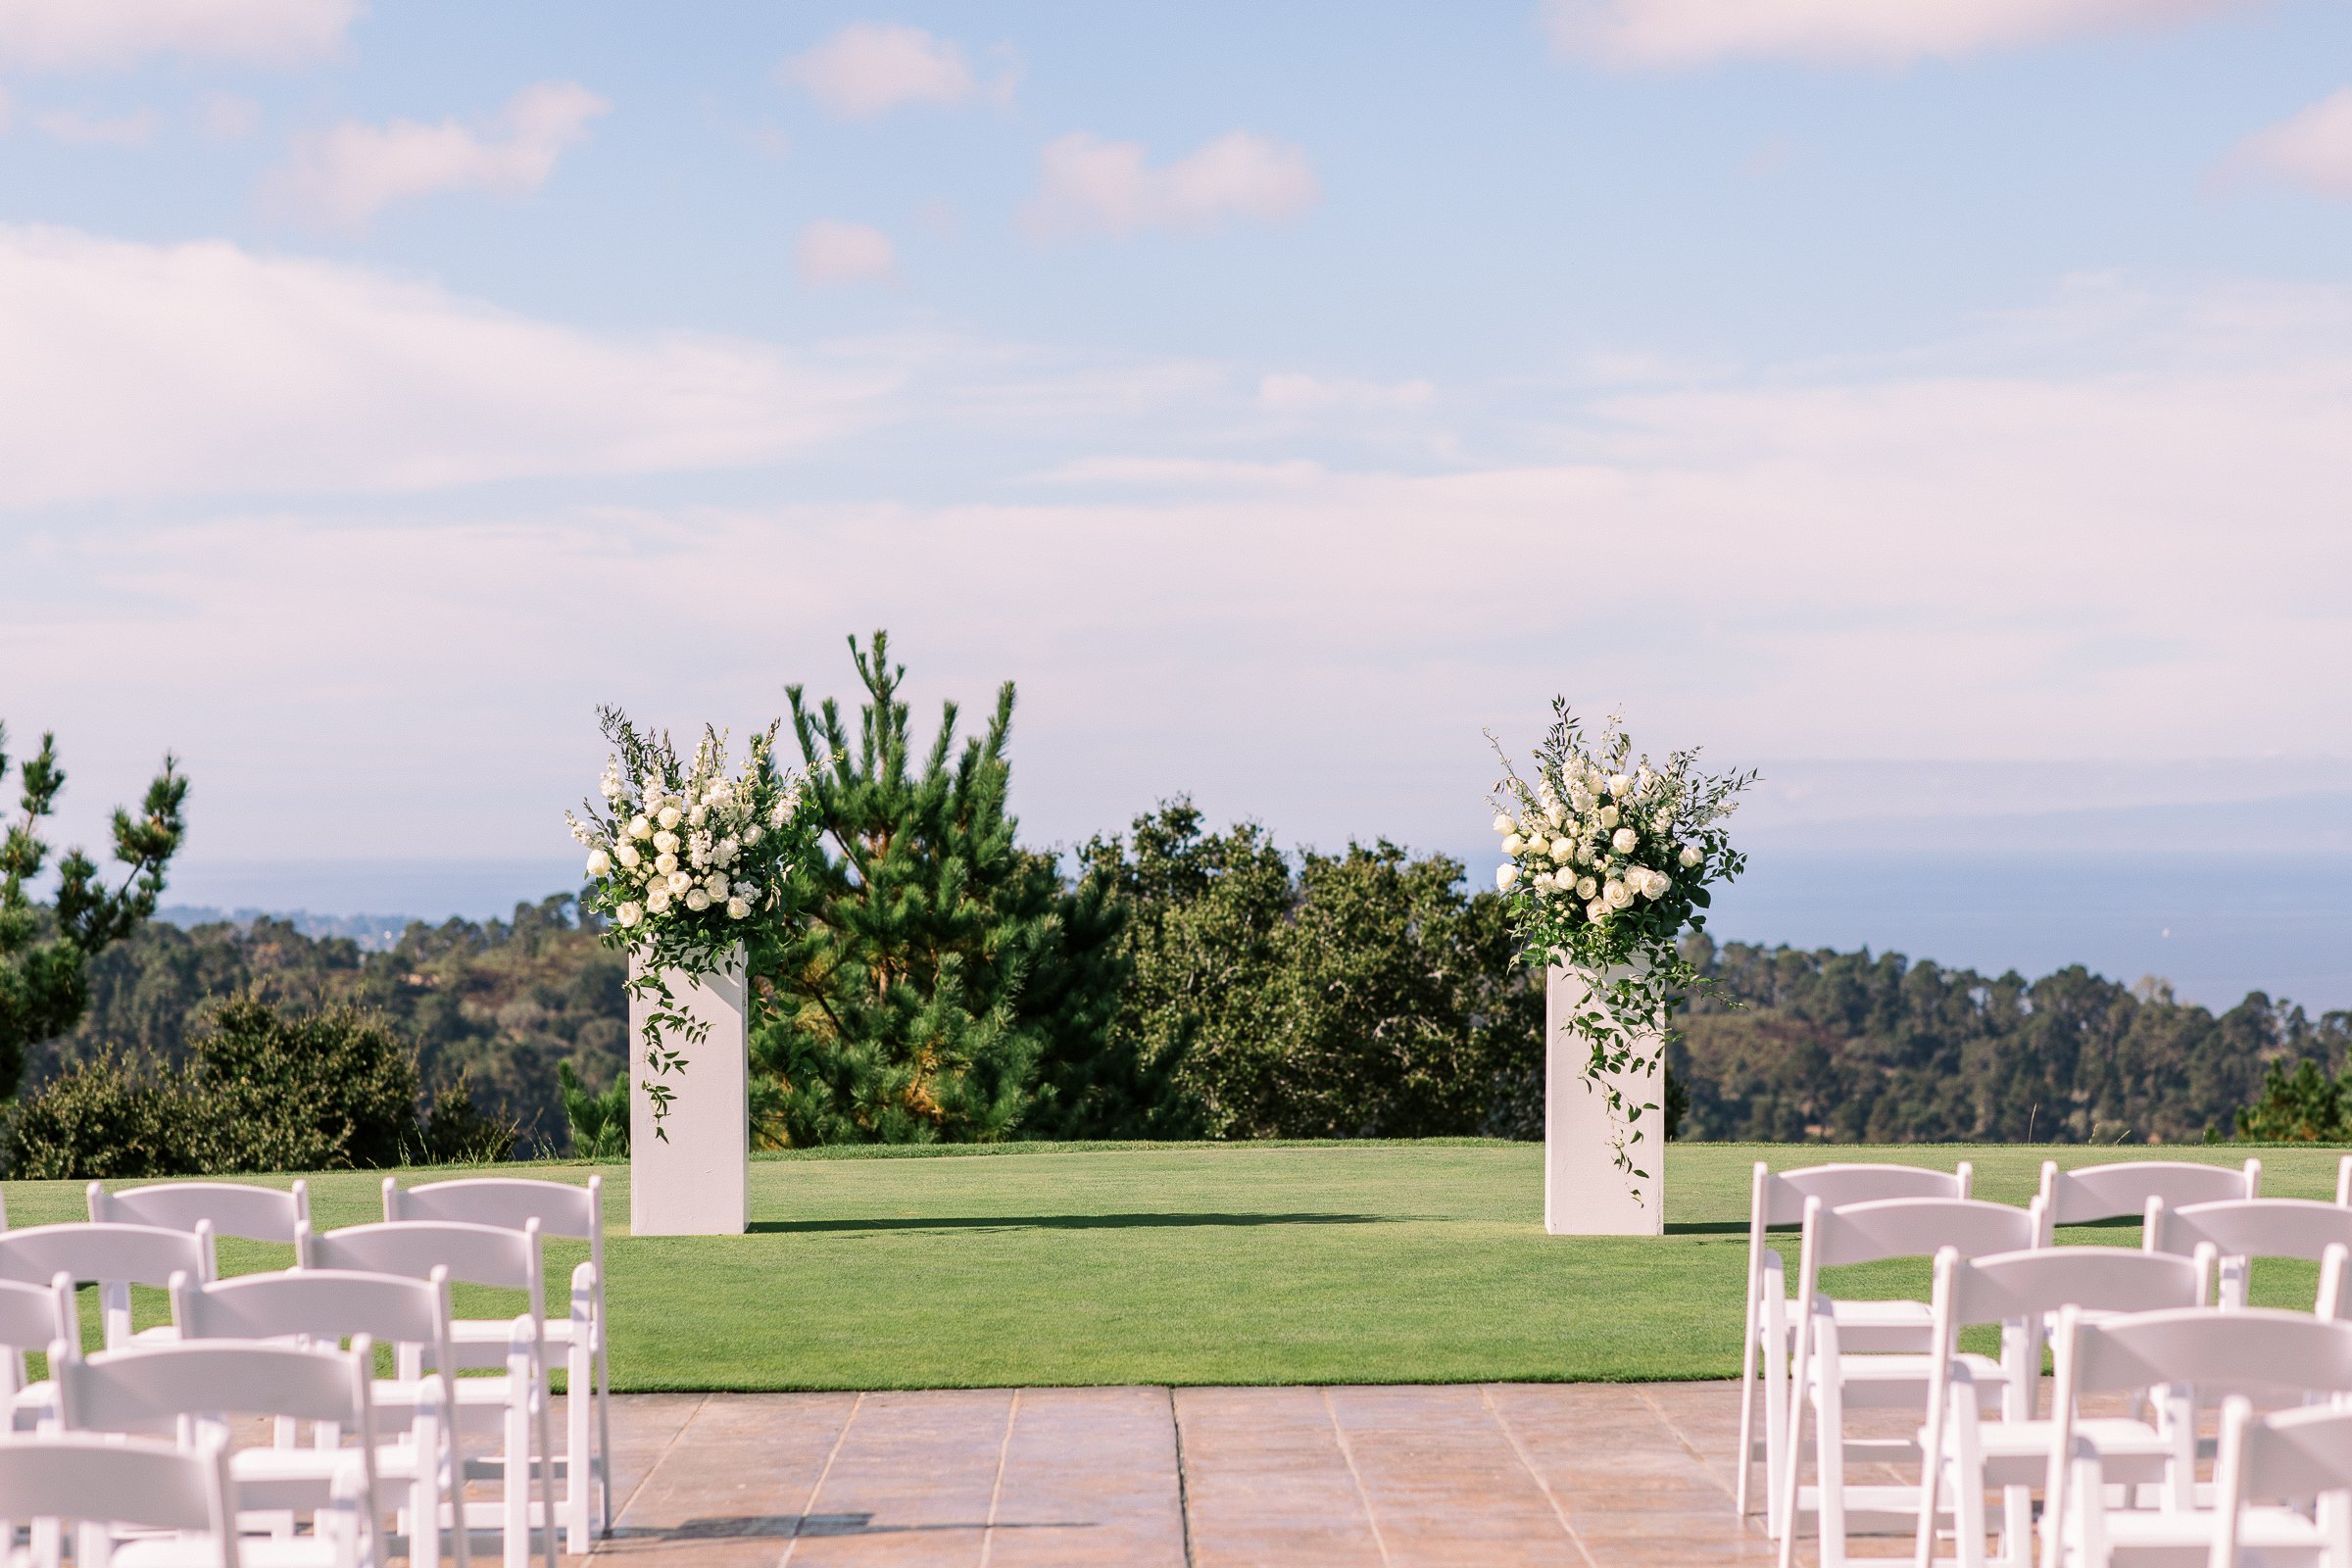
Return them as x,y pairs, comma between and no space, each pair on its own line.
1585,1192
698,1182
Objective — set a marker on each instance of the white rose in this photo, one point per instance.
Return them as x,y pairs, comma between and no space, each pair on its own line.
628,914
1563,851
640,828
1624,840
678,883
1618,894
1690,855
1503,824
1654,884
750,835
1512,844
671,815
716,884
696,899
666,864
599,862
1597,911
1620,786
627,856
737,909
1587,888
1608,816
1506,876
665,841
656,899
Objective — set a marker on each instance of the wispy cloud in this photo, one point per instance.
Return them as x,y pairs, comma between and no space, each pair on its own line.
870,69
1670,34
2312,149
1092,185
80,34
74,125
1292,393
345,175
830,251
189,370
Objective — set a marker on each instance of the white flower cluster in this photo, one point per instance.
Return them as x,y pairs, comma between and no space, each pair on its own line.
1596,840
689,850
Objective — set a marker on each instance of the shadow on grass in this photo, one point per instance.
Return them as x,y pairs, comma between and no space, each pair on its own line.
1062,1222
1707,1227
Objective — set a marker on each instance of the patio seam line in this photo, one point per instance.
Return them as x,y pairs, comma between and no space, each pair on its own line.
675,1437
1502,1423
1184,1500
1340,1435
1689,1447
996,1491
818,1484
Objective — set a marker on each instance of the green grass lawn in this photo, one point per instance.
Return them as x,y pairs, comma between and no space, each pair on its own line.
1185,1263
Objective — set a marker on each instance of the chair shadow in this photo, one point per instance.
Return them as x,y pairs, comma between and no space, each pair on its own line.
1063,1222
794,1526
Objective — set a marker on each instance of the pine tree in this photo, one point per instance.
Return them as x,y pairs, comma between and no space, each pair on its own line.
941,968
45,950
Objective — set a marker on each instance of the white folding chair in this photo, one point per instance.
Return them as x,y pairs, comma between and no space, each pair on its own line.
1777,1199
1826,1379
574,1214
115,1257
105,1482
1960,1452
330,1307
501,1259
2343,1181
32,1317
232,1208
2186,1359
2242,1230
2289,1460
190,1388
2122,1189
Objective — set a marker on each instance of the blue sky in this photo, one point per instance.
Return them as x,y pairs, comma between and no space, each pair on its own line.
1943,406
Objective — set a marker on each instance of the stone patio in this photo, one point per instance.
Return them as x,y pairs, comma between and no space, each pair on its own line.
1211,1478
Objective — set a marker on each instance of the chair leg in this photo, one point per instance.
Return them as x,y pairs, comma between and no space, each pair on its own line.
1776,1424
1828,1464
603,1429
579,1473
514,1480
1748,1413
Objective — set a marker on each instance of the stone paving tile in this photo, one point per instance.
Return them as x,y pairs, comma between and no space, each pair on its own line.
732,1485
1444,1482
1090,1476
1266,1482
913,1484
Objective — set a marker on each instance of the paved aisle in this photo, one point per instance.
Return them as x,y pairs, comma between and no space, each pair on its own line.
1488,1476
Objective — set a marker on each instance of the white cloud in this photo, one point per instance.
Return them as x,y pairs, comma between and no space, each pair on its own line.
1667,34
869,69
1092,185
95,130
1308,394
346,176
830,251
183,369
2313,149
79,35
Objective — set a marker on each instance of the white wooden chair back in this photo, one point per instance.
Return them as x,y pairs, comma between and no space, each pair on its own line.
111,1481
325,1304
2293,1456
1909,1227
2122,1189
2196,1356
234,1208
2240,1230
154,1386
575,1213
114,1256
470,1253
32,1318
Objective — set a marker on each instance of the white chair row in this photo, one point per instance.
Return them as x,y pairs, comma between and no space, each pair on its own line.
386,1282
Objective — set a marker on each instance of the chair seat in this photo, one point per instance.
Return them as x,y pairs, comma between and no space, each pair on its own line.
2149,1538
1879,1382
2017,1453
494,1330
1871,1327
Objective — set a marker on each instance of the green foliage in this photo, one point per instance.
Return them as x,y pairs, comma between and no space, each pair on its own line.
599,1122
45,949
1362,995
2302,1107
498,1002
102,1120
901,1009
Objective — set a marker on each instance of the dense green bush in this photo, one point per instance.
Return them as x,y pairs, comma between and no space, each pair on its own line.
264,1090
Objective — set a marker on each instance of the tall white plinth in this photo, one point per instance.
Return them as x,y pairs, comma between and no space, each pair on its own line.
697,1182
1585,1192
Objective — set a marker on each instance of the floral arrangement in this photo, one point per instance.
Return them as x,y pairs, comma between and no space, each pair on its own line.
686,860
1609,857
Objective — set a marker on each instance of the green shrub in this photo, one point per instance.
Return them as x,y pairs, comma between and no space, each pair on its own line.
600,1123
458,1133
103,1120
318,1091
